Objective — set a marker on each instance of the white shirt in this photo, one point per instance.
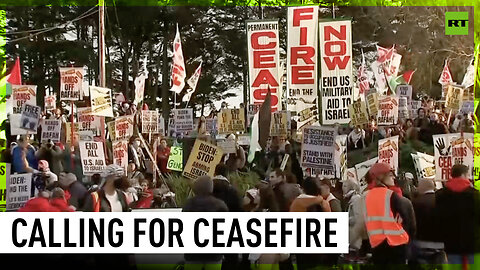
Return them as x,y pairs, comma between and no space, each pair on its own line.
115,204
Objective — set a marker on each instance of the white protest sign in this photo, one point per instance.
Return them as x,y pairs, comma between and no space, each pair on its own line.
93,157
149,121
23,94
30,117
120,154
336,81
124,128
362,170
302,55
183,120
50,102
252,109
101,99
404,90
263,47
228,146
380,78
88,121
161,126
243,140
284,162
451,149
372,104
18,190
424,165
51,130
467,107
403,112
387,111
388,152
416,104
318,149
71,83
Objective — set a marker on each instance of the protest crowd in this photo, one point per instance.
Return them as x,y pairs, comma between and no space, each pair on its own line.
401,166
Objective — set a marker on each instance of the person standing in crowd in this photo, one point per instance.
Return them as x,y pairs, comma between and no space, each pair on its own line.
108,198
421,121
135,154
133,175
23,157
387,235
41,203
235,161
223,190
59,201
426,247
434,127
49,177
311,200
356,138
456,209
204,201
276,195
163,152
52,154
333,202
75,191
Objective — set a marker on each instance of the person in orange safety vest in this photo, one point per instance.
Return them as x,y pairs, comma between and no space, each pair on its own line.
389,218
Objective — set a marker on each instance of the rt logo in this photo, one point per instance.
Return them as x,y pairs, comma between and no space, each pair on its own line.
456,23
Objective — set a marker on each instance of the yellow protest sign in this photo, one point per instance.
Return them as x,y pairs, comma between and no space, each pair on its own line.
372,101
4,174
202,160
231,120
358,113
279,124
454,97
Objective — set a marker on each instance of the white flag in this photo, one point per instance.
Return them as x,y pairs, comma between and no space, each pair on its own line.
178,71
140,84
192,82
469,78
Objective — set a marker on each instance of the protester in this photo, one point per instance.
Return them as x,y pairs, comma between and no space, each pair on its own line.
163,152
356,138
52,154
332,201
75,191
41,203
204,201
311,200
59,201
457,221
388,237
48,177
23,157
421,121
223,190
434,127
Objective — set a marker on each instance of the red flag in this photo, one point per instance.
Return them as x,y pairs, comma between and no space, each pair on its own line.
446,77
407,76
15,75
384,54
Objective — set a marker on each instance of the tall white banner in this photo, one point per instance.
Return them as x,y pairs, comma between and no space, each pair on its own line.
264,62
178,70
302,88
388,152
336,71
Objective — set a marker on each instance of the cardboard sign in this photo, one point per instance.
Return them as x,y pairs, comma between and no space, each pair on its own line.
358,113
124,128
228,146
231,121
405,91
30,117
111,130
279,124
19,188
380,78
388,111
451,149
93,157
211,126
50,103
71,83
51,130
175,160
263,46
403,111
88,121
149,122
68,132
454,98
302,42
424,165
341,157
362,170
183,120
4,176
101,100
203,159
372,103
23,94
243,140
336,71
318,149
416,104
388,152
120,154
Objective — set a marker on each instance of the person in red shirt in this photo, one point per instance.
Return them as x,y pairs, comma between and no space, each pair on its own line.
163,152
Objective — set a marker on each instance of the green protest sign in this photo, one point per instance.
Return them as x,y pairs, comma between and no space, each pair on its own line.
175,160
4,173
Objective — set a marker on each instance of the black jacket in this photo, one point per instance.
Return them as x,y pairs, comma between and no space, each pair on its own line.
224,191
458,220
424,206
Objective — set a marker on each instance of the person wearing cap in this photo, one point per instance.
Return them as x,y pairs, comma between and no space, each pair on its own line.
75,191
457,222
108,198
204,201
427,249
390,224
